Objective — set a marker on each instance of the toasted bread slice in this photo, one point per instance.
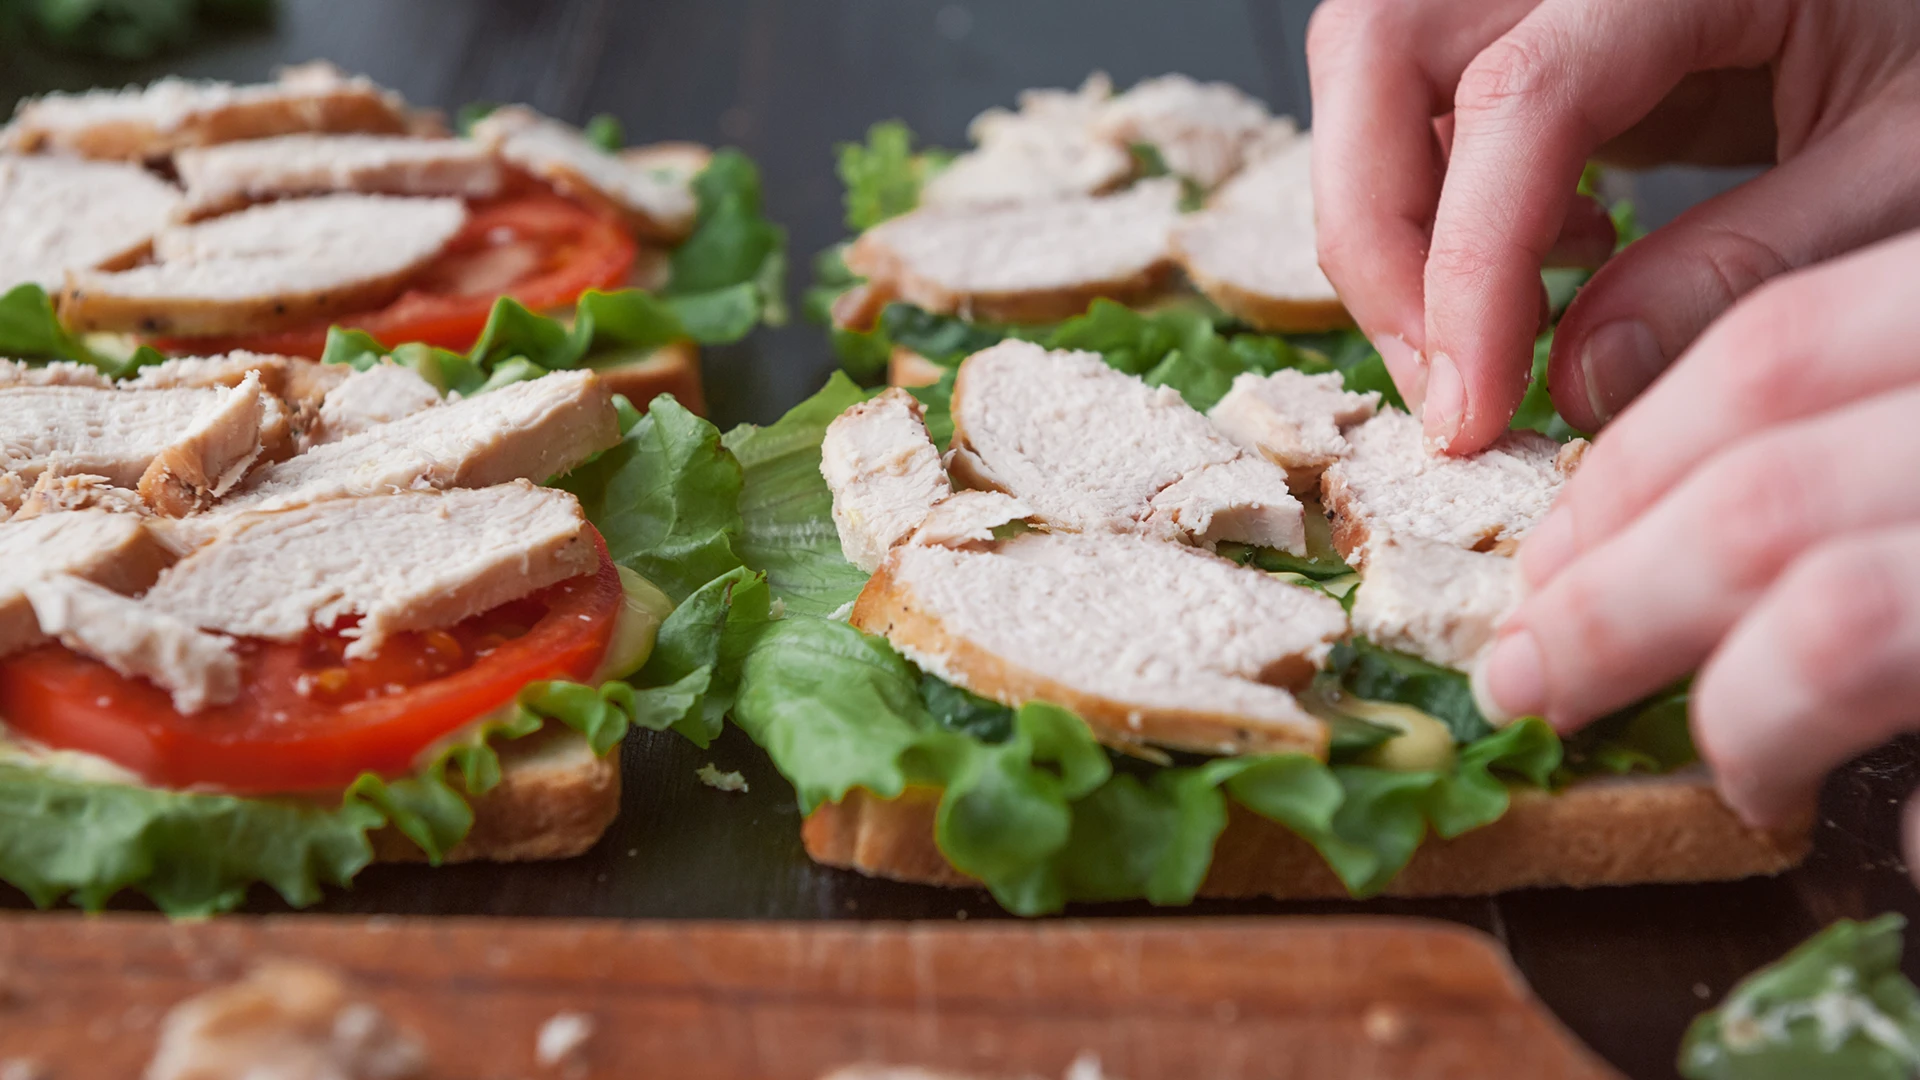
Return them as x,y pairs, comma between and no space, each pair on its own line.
1616,831
150,122
554,800
670,369
908,369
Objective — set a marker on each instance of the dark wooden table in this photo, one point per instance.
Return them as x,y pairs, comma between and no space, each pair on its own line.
785,80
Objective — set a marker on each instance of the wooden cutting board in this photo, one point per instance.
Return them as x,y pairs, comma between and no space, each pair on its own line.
1320,998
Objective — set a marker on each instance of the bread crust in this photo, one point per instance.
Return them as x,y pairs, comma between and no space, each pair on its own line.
888,608
554,801
908,369
1272,314
1616,831
671,369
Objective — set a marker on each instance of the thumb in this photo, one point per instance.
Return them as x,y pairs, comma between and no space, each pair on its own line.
1646,306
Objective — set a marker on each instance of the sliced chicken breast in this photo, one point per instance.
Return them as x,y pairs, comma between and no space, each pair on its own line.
366,399
140,123
1293,419
530,430
198,669
1093,449
1148,642
1033,262
60,214
1203,131
1253,249
84,429
658,202
1390,487
1045,150
1435,601
268,267
221,178
884,473
409,561
116,551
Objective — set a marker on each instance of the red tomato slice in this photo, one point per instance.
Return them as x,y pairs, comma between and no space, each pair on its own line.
539,249
307,719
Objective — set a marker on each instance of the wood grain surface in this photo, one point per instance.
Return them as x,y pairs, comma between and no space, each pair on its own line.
1325,999
786,80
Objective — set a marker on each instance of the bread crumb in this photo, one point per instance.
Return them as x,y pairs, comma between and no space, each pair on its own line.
711,776
562,1038
1085,1067
284,1019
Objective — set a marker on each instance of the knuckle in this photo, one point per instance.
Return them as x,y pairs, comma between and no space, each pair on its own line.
1513,72
1737,265
1842,607
1338,24
1757,505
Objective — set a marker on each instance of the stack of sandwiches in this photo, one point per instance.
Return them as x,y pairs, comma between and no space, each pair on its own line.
199,218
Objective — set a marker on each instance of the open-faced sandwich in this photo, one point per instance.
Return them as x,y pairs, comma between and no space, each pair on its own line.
1179,197
194,218
268,619
1146,596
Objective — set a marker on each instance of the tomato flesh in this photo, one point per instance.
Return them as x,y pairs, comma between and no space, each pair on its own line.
539,249
308,719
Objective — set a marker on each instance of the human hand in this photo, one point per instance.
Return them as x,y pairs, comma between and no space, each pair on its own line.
1449,138
1755,516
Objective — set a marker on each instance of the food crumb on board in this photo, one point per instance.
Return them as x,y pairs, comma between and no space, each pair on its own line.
711,776
562,1038
23,1069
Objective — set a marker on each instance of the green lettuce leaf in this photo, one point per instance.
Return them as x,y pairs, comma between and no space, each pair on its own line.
1369,671
1651,736
29,331
666,498
606,132
191,854
1034,807
733,249
84,840
883,175
786,511
1837,1006
697,657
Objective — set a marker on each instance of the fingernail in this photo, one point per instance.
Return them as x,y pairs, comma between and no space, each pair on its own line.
1619,360
1547,549
1446,401
1510,681
1409,371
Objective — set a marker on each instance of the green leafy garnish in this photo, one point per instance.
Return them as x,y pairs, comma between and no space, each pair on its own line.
606,132
883,175
785,509
1837,1006
30,331
1032,806
1368,671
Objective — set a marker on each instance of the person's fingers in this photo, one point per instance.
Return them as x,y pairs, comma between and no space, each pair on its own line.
1826,666
1910,837
1527,112
1720,118
1586,235
1782,353
1647,606
1648,305
1376,175
1376,70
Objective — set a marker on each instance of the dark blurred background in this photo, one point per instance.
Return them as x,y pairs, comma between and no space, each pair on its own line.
785,80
